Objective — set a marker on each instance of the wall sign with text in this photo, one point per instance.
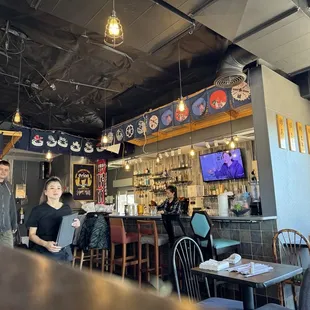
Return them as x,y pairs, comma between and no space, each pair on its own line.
291,134
281,131
301,140
83,179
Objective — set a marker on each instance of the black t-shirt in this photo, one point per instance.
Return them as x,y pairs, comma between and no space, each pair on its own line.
47,220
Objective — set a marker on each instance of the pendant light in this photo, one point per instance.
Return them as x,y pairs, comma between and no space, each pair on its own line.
113,35
17,118
158,157
192,152
127,166
104,138
181,104
231,144
49,155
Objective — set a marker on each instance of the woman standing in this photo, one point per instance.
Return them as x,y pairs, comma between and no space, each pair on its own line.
172,204
45,220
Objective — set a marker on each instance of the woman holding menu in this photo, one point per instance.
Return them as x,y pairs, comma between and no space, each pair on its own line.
45,220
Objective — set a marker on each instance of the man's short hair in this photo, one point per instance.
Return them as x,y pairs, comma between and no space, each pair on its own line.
5,163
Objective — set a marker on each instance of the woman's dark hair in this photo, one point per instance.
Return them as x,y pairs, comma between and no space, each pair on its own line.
173,190
50,180
67,199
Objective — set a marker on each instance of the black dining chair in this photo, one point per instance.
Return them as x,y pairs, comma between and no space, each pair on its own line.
187,255
304,296
173,226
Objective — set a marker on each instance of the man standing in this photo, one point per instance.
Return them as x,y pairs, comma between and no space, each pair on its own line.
8,216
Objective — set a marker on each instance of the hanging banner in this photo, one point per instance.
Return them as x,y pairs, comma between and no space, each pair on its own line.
152,122
140,127
240,95
198,104
75,146
24,141
51,141
118,133
218,100
181,117
38,140
166,117
83,186
89,146
129,130
101,183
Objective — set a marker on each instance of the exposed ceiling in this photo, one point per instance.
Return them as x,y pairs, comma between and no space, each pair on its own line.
277,31
65,44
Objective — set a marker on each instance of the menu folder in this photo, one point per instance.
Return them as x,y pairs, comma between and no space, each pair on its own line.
66,231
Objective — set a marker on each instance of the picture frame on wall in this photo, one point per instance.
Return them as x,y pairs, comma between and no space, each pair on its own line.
301,140
83,182
291,135
281,131
308,137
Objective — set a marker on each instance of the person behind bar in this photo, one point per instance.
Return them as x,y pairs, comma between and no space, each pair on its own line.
44,222
172,204
8,218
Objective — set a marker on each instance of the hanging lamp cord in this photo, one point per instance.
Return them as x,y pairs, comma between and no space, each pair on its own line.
180,72
19,80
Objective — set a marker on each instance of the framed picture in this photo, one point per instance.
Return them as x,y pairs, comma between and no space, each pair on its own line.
301,140
291,134
83,182
281,131
308,137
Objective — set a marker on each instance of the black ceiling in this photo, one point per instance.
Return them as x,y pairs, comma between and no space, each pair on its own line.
137,78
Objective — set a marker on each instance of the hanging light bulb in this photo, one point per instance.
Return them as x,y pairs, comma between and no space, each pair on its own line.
104,139
192,152
127,166
17,118
232,144
113,35
236,138
49,155
157,159
226,141
181,105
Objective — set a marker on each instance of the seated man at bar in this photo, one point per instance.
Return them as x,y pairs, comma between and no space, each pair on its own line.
172,204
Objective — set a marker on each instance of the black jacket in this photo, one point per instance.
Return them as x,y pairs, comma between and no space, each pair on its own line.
8,216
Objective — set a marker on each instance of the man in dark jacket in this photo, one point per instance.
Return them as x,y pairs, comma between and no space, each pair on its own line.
8,216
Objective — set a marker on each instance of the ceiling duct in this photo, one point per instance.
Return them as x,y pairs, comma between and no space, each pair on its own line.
230,72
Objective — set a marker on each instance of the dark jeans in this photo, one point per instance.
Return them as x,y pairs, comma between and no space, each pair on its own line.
65,255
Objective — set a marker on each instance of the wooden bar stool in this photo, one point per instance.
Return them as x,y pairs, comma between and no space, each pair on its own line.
119,236
148,235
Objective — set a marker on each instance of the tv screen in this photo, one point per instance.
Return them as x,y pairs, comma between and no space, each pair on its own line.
225,165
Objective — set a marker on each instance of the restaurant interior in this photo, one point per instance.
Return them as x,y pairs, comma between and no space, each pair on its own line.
182,130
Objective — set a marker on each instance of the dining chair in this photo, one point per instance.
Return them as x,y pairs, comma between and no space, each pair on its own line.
304,296
173,226
288,245
187,255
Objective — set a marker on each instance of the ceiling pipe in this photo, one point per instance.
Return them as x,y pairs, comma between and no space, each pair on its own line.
230,72
176,11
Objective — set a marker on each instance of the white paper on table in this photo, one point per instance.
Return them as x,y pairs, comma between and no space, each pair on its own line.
246,269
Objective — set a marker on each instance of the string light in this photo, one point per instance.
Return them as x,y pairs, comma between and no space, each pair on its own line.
49,155
113,35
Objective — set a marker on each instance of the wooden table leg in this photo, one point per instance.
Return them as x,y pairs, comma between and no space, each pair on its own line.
248,298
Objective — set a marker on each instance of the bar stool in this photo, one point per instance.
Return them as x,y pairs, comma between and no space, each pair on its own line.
148,235
120,236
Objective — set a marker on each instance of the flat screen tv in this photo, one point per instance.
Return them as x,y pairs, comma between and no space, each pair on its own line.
225,165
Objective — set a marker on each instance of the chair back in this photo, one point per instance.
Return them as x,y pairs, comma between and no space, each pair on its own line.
147,228
288,245
172,222
201,225
304,297
117,230
186,255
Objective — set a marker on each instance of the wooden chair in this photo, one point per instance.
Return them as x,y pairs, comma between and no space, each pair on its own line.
148,235
120,237
287,247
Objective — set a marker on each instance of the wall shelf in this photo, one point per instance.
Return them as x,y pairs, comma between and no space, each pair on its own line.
141,175
180,168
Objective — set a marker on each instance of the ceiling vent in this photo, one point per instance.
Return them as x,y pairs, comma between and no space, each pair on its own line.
230,73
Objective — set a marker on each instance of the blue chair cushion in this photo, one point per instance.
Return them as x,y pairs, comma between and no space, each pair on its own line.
200,225
224,243
223,304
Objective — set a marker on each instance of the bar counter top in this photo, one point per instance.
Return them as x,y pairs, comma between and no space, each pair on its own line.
251,218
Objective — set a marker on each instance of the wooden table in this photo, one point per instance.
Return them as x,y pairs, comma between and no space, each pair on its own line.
278,274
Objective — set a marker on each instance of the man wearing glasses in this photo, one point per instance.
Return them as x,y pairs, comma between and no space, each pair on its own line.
8,216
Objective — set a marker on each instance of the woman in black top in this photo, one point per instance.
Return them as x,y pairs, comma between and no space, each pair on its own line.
172,204
45,220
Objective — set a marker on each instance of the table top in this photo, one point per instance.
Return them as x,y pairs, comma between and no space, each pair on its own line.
278,274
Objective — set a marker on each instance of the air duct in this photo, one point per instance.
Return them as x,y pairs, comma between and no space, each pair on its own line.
230,73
